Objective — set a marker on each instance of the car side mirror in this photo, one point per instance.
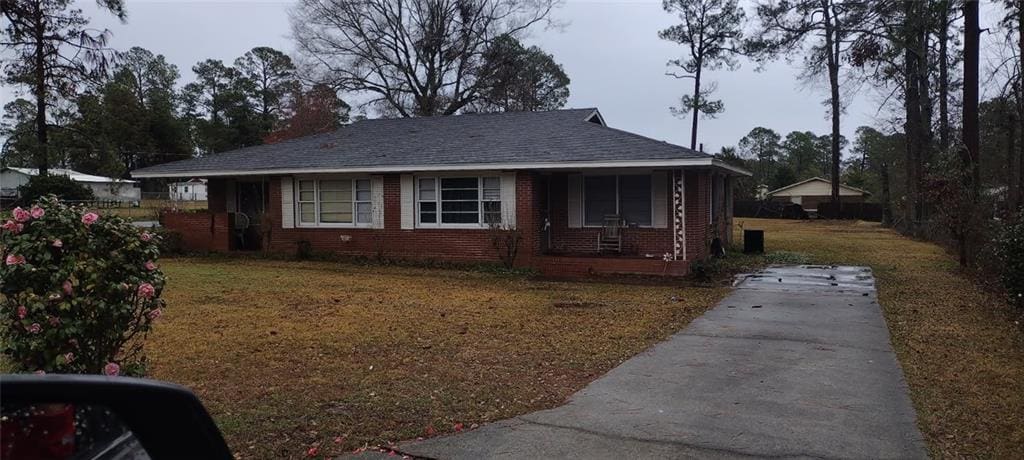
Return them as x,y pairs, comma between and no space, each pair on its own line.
99,417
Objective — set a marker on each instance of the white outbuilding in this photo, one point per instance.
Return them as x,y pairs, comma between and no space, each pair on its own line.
104,188
190,190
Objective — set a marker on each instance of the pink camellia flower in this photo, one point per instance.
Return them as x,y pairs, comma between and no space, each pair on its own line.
68,287
89,217
57,243
37,212
149,265
14,259
13,227
22,312
146,236
54,321
21,215
69,356
112,369
154,314
10,226
146,290
35,328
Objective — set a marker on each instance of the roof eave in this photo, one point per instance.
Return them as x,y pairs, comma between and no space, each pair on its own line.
658,163
735,170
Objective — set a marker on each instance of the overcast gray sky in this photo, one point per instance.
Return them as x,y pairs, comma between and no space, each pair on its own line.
609,49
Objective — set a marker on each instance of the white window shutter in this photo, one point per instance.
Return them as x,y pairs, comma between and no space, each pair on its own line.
575,200
287,202
508,199
231,204
377,200
659,182
408,203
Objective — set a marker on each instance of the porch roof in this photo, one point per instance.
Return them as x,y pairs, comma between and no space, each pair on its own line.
558,139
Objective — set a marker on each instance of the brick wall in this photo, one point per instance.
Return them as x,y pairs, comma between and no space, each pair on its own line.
201,231
697,191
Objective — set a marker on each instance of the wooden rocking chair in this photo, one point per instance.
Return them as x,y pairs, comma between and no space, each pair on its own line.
610,239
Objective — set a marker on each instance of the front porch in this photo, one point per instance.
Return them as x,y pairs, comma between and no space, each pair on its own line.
657,220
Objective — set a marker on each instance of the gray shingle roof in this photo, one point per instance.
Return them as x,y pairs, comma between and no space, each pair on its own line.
557,136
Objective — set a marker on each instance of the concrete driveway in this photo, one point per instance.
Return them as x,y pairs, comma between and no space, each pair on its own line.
795,363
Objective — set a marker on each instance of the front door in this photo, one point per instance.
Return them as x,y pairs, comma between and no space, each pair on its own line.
251,205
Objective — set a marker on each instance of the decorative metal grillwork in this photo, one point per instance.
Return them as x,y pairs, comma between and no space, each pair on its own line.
678,215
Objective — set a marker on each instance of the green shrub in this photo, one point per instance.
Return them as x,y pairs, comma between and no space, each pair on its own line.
303,250
78,292
60,186
1009,251
170,242
705,269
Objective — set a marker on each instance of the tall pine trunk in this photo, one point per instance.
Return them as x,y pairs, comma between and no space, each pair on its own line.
1012,164
944,76
696,105
969,154
1019,96
42,154
914,128
832,46
886,195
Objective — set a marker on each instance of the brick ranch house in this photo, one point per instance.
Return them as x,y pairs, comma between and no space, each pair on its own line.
434,187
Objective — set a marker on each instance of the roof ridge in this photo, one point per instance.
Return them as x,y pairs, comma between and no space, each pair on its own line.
479,114
799,183
646,138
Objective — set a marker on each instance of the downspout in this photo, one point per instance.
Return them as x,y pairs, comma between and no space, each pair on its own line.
675,219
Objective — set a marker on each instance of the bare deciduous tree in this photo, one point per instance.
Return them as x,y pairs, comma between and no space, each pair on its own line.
416,57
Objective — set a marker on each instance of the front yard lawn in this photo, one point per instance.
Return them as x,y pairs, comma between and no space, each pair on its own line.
961,348
288,355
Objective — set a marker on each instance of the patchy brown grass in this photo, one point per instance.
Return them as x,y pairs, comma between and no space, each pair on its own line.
961,348
287,355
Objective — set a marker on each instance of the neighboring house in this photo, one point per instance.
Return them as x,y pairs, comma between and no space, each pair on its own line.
190,190
431,188
809,193
104,188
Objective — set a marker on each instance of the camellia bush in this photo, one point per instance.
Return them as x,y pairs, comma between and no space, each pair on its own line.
79,292
1009,249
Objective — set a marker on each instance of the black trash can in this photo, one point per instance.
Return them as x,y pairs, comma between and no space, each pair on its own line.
753,241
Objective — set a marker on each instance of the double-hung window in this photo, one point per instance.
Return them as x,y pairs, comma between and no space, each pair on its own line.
627,196
334,202
458,201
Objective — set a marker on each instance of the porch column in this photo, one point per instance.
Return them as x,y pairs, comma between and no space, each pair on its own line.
678,215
